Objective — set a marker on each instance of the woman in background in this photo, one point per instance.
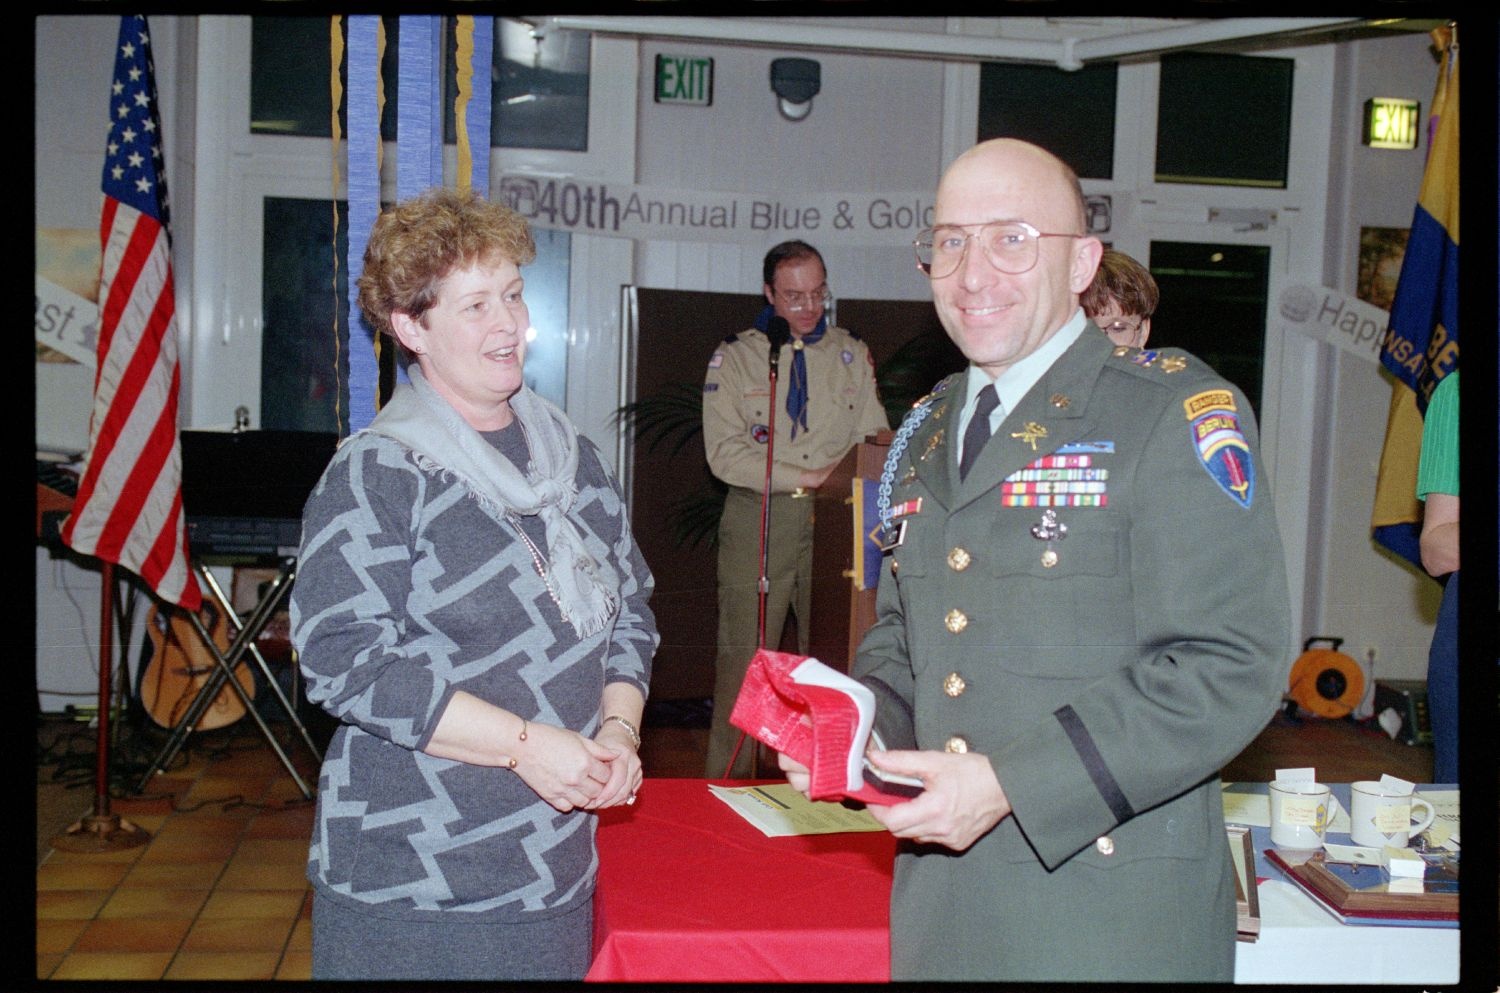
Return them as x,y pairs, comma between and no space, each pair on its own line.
472,607
1121,299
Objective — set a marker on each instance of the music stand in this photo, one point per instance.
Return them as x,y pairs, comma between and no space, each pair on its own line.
243,494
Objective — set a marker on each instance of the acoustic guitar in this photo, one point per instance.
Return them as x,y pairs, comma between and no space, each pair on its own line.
179,666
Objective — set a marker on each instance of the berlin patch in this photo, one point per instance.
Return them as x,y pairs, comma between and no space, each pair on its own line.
1214,423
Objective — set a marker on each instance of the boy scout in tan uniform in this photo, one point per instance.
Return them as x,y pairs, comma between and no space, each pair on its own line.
1073,638
841,408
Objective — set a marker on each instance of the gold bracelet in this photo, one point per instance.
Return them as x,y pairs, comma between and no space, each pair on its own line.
630,729
522,737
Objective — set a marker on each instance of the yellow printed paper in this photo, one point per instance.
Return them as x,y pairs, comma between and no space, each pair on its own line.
777,811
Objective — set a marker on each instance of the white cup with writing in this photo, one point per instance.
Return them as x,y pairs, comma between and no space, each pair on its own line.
1299,813
1381,815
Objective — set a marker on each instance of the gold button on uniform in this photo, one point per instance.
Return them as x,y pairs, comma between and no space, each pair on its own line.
954,685
956,744
956,621
1105,845
959,559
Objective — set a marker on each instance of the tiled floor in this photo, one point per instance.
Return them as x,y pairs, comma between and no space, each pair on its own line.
218,892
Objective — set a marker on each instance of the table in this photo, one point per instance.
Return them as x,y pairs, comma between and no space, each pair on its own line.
689,891
1303,944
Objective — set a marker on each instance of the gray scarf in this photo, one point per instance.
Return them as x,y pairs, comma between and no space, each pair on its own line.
585,589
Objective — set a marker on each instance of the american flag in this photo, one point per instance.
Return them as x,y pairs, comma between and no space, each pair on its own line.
128,510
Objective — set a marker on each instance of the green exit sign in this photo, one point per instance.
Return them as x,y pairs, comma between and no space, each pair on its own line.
1391,122
685,79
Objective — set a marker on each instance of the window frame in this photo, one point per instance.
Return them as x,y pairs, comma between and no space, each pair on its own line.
222,365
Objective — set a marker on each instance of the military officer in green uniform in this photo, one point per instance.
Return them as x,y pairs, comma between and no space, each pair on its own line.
826,403
1082,617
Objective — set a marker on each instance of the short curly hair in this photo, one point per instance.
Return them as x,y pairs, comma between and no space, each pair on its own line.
1123,280
416,244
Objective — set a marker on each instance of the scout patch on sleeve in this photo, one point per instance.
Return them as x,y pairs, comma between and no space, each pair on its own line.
716,361
1221,446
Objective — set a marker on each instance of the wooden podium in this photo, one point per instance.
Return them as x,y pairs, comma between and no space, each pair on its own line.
841,612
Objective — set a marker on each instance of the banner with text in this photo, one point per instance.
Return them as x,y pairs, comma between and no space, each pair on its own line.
1341,319
623,210
66,322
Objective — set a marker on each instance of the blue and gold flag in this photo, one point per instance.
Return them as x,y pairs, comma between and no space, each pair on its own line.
867,554
1421,346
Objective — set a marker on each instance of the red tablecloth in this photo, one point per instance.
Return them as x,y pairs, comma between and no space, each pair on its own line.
690,891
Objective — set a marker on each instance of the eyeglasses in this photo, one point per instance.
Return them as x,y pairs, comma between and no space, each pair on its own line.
798,300
1123,325
1010,246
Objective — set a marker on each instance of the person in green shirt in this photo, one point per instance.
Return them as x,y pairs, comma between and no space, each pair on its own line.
1437,487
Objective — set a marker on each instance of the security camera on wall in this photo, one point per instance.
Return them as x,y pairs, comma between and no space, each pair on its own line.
795,82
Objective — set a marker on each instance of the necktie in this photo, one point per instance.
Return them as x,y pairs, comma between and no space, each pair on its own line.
796,394
978,431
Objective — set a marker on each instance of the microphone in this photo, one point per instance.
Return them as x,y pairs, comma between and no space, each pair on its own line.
779,332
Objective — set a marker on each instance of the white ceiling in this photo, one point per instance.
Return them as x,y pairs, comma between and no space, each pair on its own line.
1068,42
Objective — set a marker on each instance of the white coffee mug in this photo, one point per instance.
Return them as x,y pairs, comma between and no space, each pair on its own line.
1379,816
1299,814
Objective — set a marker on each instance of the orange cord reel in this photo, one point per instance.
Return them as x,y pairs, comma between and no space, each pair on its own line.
1325,681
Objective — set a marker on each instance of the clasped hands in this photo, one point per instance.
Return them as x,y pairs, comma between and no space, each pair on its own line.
571,772
961,800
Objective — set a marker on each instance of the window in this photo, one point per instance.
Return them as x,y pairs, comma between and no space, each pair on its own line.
539,97
1072,114
539,85
1213,303
303,362
1224,120
289,89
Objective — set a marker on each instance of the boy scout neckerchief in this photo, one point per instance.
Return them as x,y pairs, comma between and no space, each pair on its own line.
796,394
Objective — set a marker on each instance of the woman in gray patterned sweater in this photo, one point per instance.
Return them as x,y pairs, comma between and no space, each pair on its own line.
471,605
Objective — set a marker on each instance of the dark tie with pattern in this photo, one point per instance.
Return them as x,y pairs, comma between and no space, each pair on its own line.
978,431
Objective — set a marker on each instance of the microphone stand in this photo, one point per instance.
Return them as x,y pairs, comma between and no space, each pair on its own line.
778,333
764,585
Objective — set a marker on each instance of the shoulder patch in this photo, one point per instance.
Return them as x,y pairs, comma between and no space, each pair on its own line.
937,391
1214,428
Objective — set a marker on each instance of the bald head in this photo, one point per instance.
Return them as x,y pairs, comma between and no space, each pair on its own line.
998,318
1012,161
